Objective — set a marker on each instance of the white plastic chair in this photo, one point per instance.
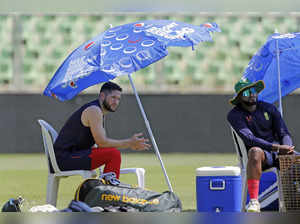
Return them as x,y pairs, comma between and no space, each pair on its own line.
268,195
49,136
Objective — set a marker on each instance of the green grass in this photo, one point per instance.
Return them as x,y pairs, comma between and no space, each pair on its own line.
26,175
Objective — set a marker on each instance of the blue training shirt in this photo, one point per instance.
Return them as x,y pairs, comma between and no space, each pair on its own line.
260,128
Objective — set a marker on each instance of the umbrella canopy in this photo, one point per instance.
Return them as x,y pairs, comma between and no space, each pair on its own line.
122,50
278,59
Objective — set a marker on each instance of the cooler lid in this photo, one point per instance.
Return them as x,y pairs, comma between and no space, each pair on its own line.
218,171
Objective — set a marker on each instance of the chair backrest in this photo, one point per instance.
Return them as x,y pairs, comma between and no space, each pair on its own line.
49,136
240,149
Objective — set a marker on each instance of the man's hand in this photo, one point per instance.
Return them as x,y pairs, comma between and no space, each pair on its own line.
286,149
137,142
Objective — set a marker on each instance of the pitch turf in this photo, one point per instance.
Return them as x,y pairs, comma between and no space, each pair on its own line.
26,175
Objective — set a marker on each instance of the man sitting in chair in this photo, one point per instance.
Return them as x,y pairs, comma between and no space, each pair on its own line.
262,129
74,145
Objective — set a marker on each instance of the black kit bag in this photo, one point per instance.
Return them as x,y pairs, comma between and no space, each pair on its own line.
97,193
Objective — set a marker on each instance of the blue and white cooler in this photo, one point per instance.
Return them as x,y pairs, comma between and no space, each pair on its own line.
218,189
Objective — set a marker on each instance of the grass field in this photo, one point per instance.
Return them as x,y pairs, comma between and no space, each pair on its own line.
26,175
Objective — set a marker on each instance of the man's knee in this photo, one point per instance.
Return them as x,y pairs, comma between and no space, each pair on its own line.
255,154
115,153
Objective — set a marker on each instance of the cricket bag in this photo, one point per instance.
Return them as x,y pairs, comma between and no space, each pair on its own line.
99,193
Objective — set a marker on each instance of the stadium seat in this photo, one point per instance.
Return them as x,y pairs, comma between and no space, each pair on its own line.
3,18
6,75
194,72
267,196
49,136
123,80
88,30
27,70
291,24
175,53
5,25
148,75
171,73
268,26
7,51
72,19
188,19
238,68
213,67
40,27
104,24
241,37
208,45
197,55
221,78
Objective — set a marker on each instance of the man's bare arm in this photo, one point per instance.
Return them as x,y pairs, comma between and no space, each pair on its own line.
93,118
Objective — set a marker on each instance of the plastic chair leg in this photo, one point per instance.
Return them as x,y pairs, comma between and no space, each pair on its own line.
139,172
52,189
244,189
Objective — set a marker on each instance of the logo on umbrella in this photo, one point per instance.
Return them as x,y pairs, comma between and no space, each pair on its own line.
208,25
53,95
169,31
133,41
89,45
139,24
287,35
72,84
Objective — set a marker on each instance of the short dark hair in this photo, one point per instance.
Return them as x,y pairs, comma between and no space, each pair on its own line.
109,87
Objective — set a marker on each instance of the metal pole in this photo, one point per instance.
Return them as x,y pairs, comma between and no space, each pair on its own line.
278,76
150,133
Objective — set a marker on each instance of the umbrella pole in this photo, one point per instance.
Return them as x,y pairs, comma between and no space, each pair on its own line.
150,133
278,76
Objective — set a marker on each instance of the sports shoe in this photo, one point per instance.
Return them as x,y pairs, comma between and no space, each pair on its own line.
254,206
111,179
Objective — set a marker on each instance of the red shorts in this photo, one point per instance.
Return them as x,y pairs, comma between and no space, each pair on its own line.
110,157
91,159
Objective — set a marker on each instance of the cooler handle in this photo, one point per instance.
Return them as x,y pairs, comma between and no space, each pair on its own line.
217,184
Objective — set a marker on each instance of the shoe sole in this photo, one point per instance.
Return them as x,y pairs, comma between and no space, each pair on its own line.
253,211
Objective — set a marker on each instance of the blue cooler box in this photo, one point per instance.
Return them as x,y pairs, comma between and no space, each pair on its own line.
218,189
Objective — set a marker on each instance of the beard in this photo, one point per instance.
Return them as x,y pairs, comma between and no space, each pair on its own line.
107,106
250,103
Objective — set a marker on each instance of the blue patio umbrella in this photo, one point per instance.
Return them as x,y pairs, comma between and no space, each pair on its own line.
277,63
122,50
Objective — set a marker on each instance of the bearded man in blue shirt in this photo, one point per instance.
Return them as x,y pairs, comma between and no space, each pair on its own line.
262,129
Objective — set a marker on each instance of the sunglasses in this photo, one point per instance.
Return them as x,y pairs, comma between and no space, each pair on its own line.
249,91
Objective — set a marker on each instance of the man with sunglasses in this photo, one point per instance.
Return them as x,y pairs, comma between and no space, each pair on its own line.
262,129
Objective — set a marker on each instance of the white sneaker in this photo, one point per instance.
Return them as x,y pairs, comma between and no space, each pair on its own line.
254,206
